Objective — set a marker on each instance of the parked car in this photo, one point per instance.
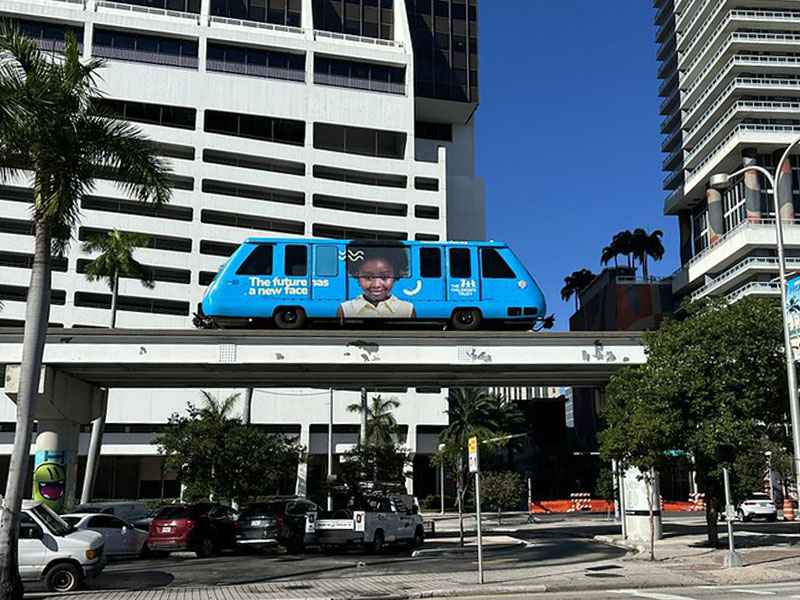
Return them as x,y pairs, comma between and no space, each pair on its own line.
130,512
757,506
53,552
204,528
121,538
285,521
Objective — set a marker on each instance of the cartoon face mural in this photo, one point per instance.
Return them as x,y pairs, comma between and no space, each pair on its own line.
50,484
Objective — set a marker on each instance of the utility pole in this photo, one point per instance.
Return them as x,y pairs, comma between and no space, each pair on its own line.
330,451
363,437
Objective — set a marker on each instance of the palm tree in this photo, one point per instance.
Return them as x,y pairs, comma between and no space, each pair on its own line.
381,424
793,307
608,254
51,129
115,261
622,244
645,244
575,283
217,411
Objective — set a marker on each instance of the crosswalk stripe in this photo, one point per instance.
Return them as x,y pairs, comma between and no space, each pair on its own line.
754,592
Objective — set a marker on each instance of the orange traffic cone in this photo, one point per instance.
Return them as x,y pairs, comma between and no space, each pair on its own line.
788,510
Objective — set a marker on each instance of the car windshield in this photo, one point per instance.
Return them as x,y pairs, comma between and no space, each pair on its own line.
264,509
758,496
174,512
51,520
87,509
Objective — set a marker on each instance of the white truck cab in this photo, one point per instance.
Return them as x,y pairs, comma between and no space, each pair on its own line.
372,523
51,551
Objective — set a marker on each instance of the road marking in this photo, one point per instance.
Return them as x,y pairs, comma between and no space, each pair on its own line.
653,595
754,592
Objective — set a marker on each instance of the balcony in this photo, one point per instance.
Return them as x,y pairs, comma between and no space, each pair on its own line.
674,180
371,85
319,34
755,288
251,70
148,10
740,272
255,24
143,56
671,162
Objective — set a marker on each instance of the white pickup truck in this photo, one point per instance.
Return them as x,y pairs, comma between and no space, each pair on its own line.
372,523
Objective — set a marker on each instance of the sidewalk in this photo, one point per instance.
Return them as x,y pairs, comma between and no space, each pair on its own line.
681,559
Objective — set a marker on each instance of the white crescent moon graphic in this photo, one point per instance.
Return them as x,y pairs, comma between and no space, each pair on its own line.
415,290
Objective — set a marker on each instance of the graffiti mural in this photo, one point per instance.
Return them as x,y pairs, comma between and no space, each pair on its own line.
50,478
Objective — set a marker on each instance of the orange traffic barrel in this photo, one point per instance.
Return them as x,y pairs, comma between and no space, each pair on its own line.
788,510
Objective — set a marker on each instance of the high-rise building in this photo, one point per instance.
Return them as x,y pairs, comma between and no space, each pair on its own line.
730,74
324,118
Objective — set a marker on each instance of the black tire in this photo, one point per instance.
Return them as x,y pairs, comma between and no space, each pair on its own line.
205,547
419,537
328,549
157,553
772,518
295,544
145,551
466,319
63,577
291,317
378,542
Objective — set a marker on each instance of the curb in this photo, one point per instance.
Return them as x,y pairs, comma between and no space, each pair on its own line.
459,592
463,550
624,544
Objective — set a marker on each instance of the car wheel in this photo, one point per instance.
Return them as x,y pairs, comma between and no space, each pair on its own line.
772,518
290,318
328,549
144,552
377,542
63,577
740,515
466,319
205,547
419,537
295,543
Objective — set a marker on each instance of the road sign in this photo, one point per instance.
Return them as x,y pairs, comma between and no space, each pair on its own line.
792,309
473,455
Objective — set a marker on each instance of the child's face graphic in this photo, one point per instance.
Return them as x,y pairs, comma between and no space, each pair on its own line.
376,277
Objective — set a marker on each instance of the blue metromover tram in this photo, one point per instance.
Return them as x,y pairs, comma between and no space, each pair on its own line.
292,282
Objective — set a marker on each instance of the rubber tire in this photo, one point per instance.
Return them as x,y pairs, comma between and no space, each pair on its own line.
466,319
329,549
378,542
63,577
419,537
772,518
205,548
290,318
295,544
158,553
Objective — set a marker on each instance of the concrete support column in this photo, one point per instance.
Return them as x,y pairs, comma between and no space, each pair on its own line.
785,197
716,224
301,488
637,508
752,196
63,404
411,445
685,229
93,456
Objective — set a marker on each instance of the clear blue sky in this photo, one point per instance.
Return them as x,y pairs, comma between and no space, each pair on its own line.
568,135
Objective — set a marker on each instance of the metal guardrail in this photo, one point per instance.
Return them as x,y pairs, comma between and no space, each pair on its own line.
360,84
255,24
155,58
357,38
221,66
148,10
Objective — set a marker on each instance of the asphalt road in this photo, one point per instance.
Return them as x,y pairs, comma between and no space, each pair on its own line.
184,569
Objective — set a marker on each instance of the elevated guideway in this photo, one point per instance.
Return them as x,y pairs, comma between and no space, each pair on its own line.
126,358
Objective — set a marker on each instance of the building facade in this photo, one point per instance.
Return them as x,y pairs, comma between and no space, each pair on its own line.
730,88
324,118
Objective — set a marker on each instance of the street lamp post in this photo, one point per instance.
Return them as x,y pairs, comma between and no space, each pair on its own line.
723,180
768,454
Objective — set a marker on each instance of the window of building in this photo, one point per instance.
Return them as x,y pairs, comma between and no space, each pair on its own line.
155,242
248,161
426,212
130,207
16,226
359,140
428,184
230,219
23,260
426,237
188,6
278,12
257,62
259,262
175,151
460,263
217,248
140,47
268,129
165,274
430,261
360,206
700,227
494,266
326,261
18,293
132,304
733,204
360,177
206,277
16,194
143,112
344,233
253,192
48,36
296,261
359,75
367,18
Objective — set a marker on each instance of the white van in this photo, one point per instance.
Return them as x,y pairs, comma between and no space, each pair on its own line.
52,552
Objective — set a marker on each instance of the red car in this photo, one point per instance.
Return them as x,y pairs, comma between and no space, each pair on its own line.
205,528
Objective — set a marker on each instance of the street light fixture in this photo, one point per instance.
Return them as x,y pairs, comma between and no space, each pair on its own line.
723,181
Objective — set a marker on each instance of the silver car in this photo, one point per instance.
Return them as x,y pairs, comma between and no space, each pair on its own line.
121,538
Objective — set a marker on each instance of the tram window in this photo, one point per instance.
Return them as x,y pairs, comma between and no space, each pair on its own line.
494,266
459,263
327,261
296,263
258,263
430,261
